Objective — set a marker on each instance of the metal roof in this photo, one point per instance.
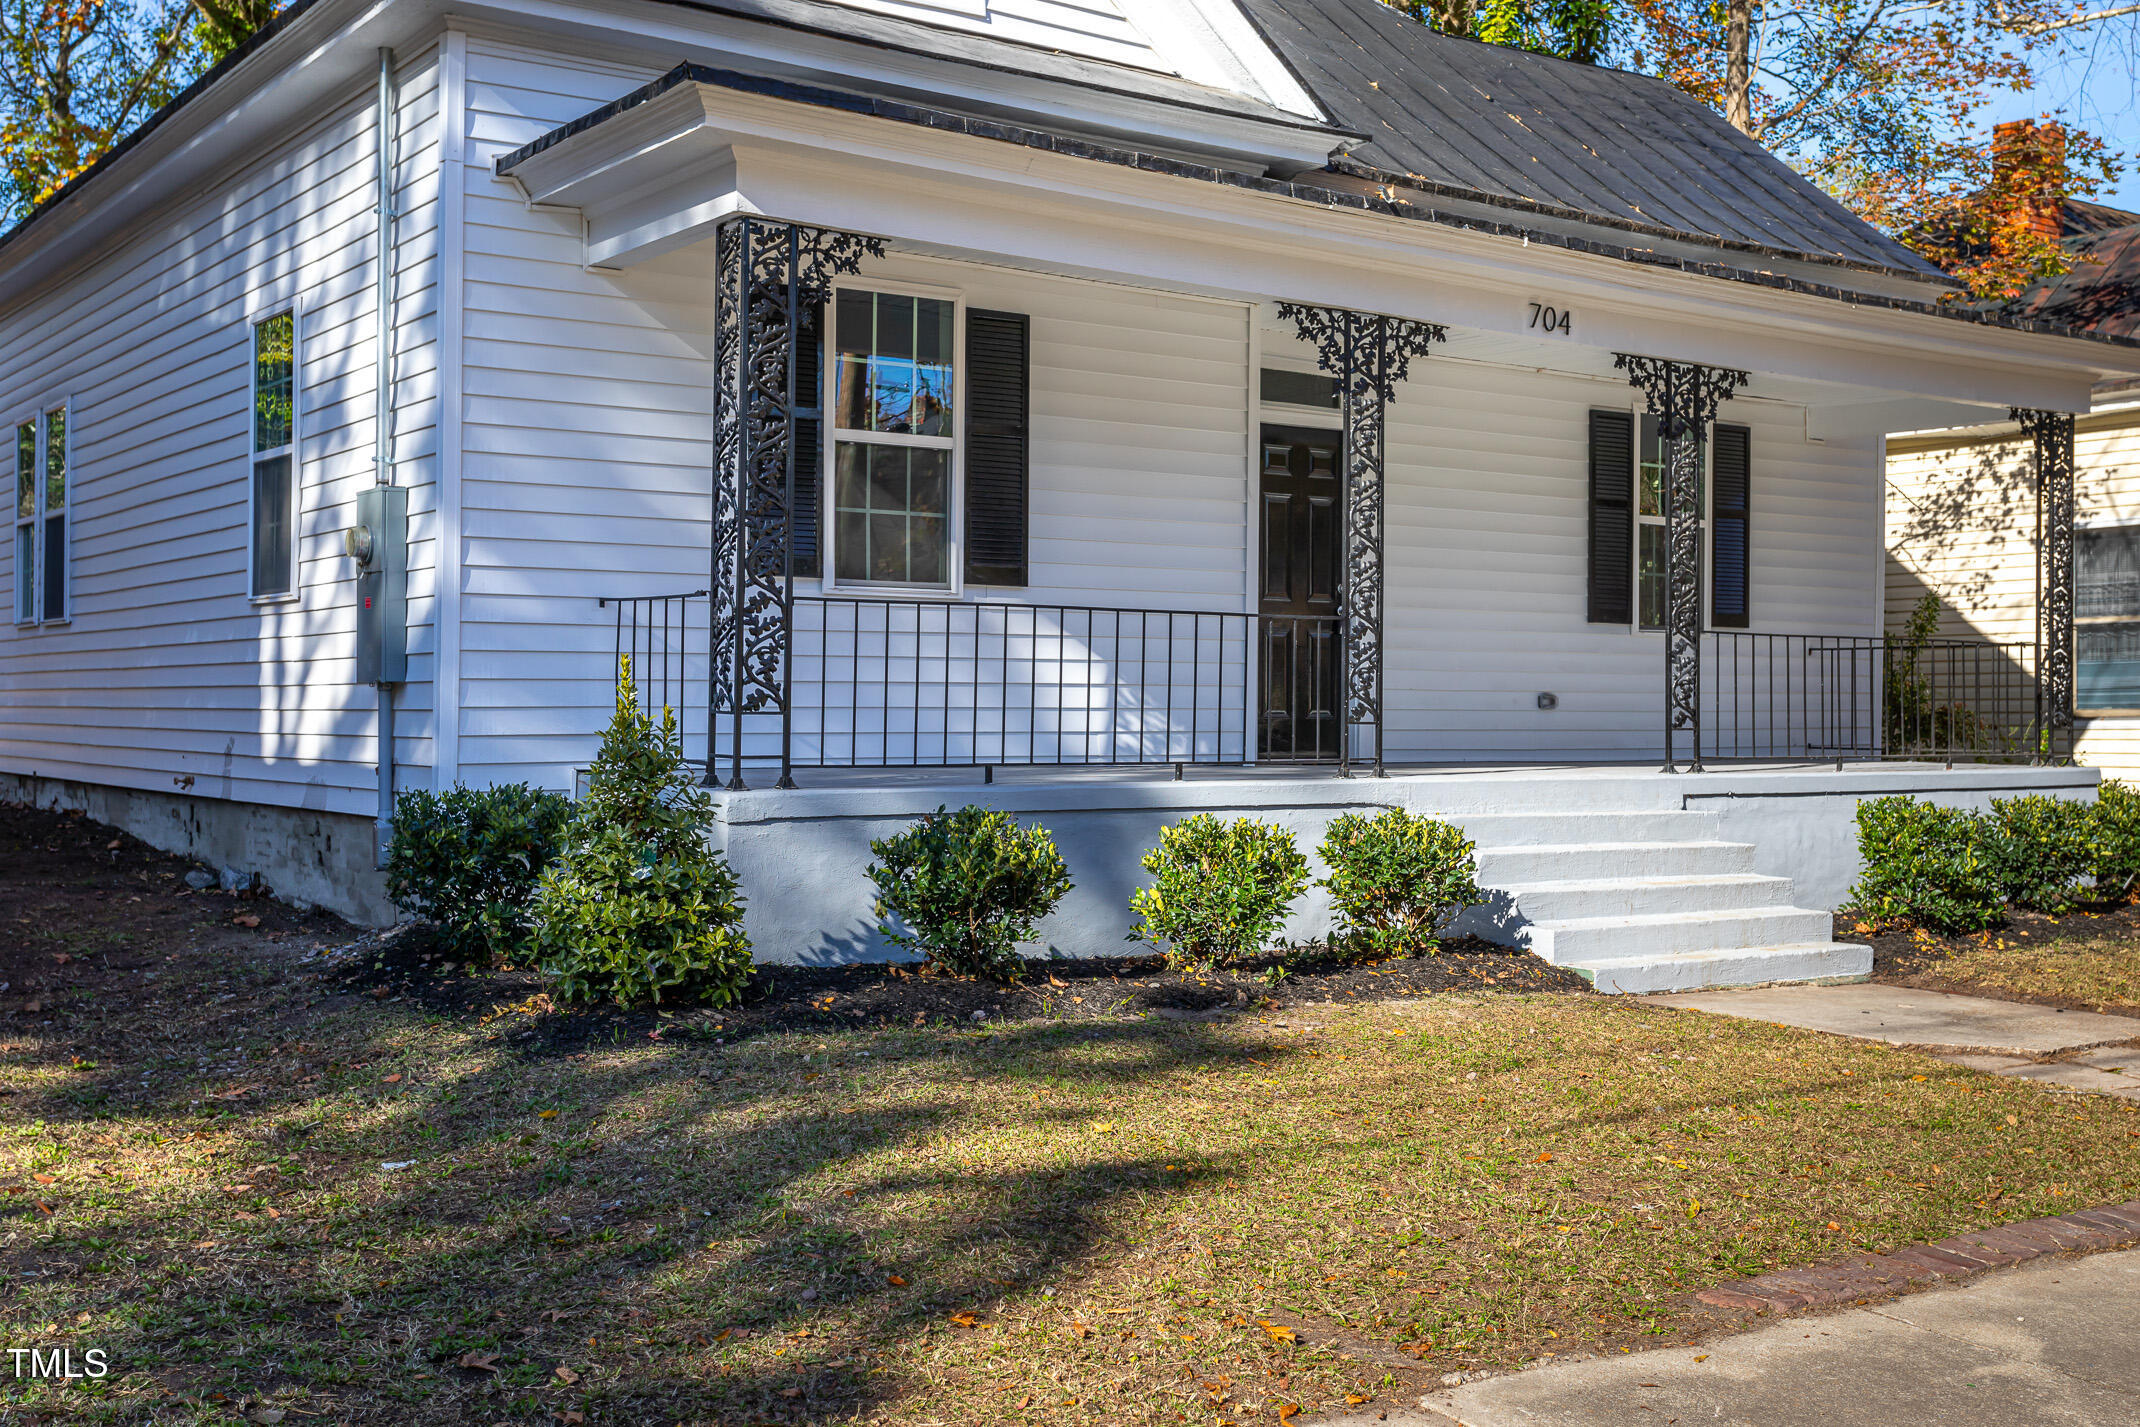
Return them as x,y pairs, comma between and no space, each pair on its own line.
2100,293
1457,114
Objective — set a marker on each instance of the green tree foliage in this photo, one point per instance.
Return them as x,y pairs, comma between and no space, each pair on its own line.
76,76
1581,30
639,907
968,887
1396,881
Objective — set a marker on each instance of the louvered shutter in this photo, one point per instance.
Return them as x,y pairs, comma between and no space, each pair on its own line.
998,446
804,558
1731,484
1612,517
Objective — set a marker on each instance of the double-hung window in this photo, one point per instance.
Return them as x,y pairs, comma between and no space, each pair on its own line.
894,442
2106,617
273,460
41,564
1651,545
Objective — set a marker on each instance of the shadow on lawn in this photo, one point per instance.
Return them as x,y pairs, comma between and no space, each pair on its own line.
639,1231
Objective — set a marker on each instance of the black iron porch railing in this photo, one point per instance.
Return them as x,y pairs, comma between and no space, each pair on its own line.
891,683
1813,698
665,638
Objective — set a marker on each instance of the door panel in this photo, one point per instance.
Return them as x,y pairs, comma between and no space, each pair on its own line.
1302,529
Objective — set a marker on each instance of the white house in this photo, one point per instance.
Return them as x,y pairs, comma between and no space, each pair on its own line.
1203,388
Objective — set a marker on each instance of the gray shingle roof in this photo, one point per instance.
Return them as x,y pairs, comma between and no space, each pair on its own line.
1458,114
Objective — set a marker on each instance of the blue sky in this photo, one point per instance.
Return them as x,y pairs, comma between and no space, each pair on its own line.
2092,86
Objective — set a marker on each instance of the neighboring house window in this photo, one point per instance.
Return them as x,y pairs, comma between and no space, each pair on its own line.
2106,615
274,457
41,491
893,441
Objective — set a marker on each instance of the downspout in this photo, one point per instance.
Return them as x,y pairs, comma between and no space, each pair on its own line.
383,401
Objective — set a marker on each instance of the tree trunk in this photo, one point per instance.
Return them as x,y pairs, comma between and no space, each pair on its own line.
1738,65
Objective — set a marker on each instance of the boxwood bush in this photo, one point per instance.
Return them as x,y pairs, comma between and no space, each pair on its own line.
2117,842
1222,891
966,888
638,906
468,860
1923,865
1396,881
2039,850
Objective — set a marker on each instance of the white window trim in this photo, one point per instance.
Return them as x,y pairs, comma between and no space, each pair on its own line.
35,418
296,593
2081,621
828,460
1634,574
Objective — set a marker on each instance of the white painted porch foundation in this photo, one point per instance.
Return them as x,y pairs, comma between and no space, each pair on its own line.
1637,879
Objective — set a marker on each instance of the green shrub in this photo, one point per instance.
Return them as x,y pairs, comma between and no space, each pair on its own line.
1922,865
969,887
2117,841
468,860
1223,889
638,906
2038,850
1397,881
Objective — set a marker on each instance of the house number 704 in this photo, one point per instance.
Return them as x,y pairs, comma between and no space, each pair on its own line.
1552,319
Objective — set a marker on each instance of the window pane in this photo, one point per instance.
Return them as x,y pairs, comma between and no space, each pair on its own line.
892,522
1649,480
25,572
272,512
25,470
56,459
55,567
2106,573
1300,388
274,368
895,364
1649,580
2108,672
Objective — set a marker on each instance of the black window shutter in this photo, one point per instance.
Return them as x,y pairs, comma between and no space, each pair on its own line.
1612,517
998,445
808,516
1731,482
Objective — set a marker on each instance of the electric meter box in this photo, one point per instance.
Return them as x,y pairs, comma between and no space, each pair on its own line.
380,543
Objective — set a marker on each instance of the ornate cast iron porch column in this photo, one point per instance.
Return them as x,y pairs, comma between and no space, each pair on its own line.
1370,355
1684,398
769,276
2052,432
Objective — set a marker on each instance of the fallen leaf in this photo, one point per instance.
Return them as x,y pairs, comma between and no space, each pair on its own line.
1026,1401
480,1362
566,1375
1061,985
791,1392
391,1080
895,1280
1354,1399
1079,1330
248,920
1548,1155
966,1320
1834,1228
546,1115
1702,1358
571,1418
1104,1127
1288,1411
1279,1331
44,1178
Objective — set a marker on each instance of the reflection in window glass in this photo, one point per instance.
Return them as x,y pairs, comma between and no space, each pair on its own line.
274,371
1650,545
56,458
274,503
893,513
895,369
25,471
2106,609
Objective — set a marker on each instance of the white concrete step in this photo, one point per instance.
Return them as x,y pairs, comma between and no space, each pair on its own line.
1582,941
1738,966
1524,829
1507,866
1630,896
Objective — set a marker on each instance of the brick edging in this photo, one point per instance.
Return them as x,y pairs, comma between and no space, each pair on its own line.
1847,1280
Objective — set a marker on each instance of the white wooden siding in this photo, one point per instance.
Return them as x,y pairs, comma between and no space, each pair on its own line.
168,677
1961,524
1098,28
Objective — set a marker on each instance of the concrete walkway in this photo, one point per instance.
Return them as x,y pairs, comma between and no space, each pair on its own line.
2093,1052
2054,1344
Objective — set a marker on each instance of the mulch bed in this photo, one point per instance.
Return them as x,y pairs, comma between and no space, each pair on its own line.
408,964
1904,956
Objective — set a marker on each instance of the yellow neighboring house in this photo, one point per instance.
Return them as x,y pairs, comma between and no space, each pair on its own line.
1963,517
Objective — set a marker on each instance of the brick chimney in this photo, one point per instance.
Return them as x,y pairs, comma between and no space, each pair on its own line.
2028,160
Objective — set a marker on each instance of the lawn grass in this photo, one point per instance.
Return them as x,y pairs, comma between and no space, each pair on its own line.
1127,1221
2100,972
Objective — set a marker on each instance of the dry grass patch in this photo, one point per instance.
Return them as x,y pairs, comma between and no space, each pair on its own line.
2101,973
368,1213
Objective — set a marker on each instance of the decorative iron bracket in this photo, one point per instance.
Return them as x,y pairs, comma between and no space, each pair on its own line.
2052,432
1684,398
1371,356
769,276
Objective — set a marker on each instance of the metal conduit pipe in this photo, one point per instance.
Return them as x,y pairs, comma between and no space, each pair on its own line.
383,408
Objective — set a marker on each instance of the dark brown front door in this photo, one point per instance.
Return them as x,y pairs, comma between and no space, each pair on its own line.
1301,517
